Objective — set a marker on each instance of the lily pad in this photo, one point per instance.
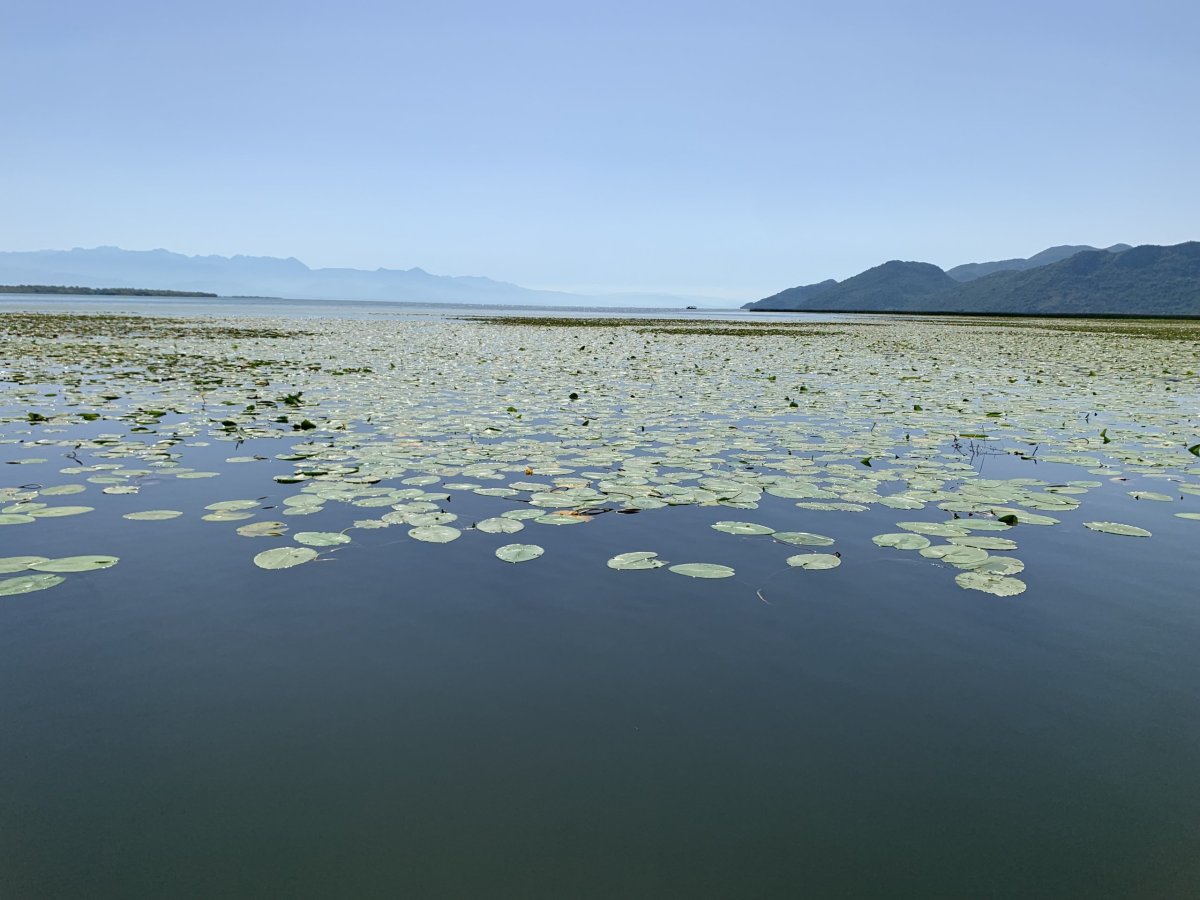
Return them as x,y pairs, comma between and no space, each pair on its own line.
702,570
638,559
999,585
742,528
435,534
320,538
515,553
803,538
1117,528
19,563
814,561
76,564
58,512
62,490
904,540
284,557
27,584
153,515
263,529
499,525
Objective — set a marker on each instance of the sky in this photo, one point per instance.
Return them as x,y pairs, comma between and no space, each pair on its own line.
726,150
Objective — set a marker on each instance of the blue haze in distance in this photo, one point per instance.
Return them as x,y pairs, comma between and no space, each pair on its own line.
719,150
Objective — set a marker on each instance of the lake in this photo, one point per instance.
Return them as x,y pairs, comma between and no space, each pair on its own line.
942,641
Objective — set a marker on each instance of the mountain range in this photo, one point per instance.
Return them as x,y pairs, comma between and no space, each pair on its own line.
1118,280
1070,279
269,276
260,276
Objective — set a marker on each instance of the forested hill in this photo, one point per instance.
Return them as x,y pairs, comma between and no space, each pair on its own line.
1145,280
90,291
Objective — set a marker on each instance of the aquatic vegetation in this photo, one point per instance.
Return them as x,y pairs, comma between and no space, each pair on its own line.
961,431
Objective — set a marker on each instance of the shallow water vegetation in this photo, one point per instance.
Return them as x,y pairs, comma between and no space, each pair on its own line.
556,421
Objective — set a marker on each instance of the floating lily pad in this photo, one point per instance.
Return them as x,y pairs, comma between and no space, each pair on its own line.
702,570
263,529
803,538
76,564
499,525
15,519
284,557
902,540
227,505
27,584
638,559
814,561
435,534
1117,528
58,512
933,529
984,542
19,563
742,528
153,515
515,553
1000,585
320,538
62,490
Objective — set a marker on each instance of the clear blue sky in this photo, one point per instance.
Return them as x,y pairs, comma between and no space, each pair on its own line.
730,149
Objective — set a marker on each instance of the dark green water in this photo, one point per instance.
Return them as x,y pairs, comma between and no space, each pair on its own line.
421,720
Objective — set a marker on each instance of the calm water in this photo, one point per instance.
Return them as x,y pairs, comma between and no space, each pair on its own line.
403,720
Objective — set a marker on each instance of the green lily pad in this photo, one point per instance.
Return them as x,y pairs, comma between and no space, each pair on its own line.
15,519
702,570
742,528
62,490
19,563
803,538
515,553
227,515
76,564
904,540
58,512
435,534
999,585
499,525
637,559
284,557
1000,565
228,505
814,561
27,584
984,542
933,529
320,538
1117,528
153,515
962,557
263,529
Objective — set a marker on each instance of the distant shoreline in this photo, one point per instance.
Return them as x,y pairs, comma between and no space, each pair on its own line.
92,292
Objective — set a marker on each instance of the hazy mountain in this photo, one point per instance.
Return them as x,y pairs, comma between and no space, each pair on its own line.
971,271
104,267
1145,280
